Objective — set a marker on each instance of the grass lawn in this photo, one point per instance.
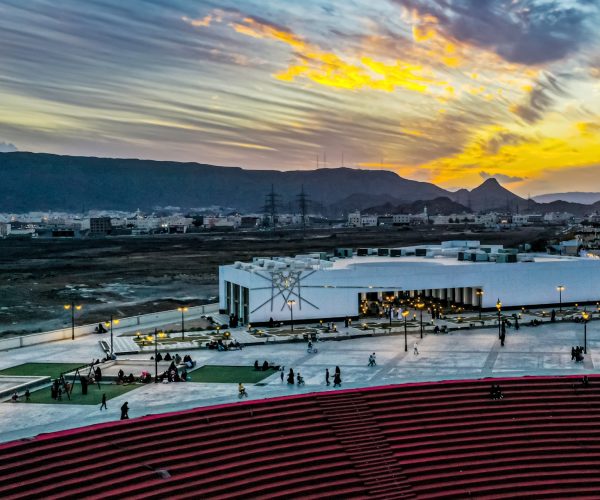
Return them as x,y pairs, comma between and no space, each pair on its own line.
41,369
93,397
229,374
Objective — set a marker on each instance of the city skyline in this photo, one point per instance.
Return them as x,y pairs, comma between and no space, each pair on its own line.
450,92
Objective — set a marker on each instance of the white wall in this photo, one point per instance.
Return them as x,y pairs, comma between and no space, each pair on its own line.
124,325
335,292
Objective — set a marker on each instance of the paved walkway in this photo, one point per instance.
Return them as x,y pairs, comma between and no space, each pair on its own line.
544,350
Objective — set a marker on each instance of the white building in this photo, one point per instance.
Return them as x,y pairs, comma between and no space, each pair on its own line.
333,288
369,220
4,229
401,218
354,219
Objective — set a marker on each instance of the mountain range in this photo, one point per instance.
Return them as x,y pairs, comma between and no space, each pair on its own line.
572,197
39,181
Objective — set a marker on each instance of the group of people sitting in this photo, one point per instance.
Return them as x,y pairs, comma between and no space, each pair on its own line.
15,396
219,345
100,328
177,359
168,357
172,374
496,392
264,367
122,379
437,329
577,354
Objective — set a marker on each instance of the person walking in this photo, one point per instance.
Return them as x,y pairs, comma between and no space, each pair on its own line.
327,376
416,349
337,380
103,405
125,411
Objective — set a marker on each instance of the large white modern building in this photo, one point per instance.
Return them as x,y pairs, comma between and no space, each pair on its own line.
317,286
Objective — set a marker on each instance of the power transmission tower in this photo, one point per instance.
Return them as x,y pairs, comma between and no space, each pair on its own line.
303,203
271,205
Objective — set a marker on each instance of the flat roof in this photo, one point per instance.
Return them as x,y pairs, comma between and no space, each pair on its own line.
439,260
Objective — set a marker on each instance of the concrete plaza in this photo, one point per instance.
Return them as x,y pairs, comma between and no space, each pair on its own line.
474,353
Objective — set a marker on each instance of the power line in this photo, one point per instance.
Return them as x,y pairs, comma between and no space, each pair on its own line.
272,201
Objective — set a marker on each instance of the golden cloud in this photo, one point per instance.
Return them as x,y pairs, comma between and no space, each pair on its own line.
331,69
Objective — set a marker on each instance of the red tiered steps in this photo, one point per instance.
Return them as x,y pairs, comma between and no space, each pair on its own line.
444,440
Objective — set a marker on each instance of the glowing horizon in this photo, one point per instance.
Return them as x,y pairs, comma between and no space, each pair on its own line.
449,92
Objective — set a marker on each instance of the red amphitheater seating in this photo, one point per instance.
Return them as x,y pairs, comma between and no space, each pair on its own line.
444,440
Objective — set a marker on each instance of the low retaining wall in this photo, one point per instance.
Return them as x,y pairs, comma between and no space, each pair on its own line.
124,323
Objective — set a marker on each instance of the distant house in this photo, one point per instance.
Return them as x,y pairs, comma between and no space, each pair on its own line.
354,219
4,229
100,225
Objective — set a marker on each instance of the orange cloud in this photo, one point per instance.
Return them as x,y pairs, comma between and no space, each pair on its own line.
514,154
202,22
330,69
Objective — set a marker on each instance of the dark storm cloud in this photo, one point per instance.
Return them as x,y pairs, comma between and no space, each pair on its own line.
522,31
540,99
501,177
494,144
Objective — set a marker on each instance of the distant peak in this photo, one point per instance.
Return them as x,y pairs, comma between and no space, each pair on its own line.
492,181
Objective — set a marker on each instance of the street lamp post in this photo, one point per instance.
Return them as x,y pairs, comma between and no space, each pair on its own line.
290,304
182,310
72,307
420,306
560,289
405,313
585,315
479,294
111,323
499,307
155,338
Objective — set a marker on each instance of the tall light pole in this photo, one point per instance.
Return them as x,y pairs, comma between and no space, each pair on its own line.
182,309
560,289
585,315
111,323
405,313
420,306
291,304
499,307
72,307
479,294
150,338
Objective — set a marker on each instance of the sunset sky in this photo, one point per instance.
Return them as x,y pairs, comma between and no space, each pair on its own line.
447,91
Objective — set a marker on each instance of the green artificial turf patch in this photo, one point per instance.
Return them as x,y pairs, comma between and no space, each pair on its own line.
93,397
41,369
229,374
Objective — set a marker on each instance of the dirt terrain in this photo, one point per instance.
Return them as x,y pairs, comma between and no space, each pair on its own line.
136,275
